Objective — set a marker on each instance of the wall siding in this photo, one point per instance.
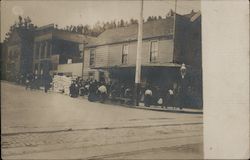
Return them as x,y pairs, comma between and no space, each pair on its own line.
165,52
115,54
74,68
101,58
111,55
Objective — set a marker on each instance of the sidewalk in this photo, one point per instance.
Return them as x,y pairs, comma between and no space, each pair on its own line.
154,108
170,109
141,105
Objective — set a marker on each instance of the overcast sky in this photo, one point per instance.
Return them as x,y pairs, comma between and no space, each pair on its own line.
84,12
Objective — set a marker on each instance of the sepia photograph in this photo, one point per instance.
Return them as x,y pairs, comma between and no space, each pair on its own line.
101,79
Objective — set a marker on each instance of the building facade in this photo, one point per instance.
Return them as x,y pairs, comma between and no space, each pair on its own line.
165,46
41,50
54,47
17,54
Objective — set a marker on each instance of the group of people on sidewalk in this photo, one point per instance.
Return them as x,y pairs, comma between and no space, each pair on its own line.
165,97
150,95
33,81
102,91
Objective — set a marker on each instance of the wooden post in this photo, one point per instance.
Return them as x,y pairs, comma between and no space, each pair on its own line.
174,26
138,58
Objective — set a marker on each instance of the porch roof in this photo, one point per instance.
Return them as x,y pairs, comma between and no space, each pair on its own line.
143,65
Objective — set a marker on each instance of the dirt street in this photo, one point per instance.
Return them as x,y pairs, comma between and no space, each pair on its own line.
36,125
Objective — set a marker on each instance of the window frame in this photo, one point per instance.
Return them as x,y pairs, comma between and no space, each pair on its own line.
92,52
37,51
153,58
125,53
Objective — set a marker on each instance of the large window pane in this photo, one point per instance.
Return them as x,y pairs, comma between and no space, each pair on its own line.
92,57
125,54
153,51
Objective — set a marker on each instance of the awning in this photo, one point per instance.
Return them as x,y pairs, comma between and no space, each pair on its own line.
143,65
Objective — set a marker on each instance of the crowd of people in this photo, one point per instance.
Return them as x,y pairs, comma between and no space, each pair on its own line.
118,91
34,82
112,91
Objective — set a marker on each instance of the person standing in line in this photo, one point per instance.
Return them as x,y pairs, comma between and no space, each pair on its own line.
103,93
27,81
148,97
72,89
36,82
31,81
91,96
170,98
47,81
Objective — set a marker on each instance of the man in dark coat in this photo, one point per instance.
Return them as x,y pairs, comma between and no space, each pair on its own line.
47,81
92,92
72,89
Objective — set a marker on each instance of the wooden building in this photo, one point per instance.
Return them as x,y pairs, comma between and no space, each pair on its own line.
165,46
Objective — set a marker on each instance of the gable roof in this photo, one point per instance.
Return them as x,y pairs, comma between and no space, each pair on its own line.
162,27
151,29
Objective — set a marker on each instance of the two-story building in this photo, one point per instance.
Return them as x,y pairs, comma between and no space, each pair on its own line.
58,51
165,46
42,50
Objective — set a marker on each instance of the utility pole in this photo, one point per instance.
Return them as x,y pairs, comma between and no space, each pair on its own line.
138,58
174,25
82,50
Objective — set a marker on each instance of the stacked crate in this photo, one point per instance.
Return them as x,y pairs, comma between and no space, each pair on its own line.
61,84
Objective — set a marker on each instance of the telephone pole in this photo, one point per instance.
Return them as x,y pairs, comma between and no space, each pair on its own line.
174,25
138,58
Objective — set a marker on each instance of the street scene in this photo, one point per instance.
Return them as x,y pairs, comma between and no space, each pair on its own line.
95,81
55,126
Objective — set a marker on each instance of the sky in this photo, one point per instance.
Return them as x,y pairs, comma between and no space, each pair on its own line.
75,12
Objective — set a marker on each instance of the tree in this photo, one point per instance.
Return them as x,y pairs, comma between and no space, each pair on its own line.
20,21
86,29
73,29
79,29
133,21
20,25
150,18
122,23
113,24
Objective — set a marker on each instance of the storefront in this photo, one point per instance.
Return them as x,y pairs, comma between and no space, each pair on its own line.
162,78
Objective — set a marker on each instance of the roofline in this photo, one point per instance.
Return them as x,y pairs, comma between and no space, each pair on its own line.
45,27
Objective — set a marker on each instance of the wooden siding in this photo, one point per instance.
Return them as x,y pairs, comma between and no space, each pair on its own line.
74,68
166,51
111,55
